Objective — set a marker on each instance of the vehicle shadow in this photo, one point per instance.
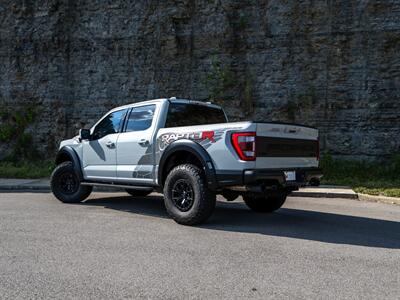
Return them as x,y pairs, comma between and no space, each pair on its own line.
286,222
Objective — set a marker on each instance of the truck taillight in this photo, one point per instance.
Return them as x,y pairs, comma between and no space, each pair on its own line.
244,144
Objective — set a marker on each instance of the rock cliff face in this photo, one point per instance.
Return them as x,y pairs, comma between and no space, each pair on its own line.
330,64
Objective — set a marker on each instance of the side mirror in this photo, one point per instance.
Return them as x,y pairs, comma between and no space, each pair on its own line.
84,134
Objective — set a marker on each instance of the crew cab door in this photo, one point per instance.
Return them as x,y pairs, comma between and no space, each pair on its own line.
135,146
100,152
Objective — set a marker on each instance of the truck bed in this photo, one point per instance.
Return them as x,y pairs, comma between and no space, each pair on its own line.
278,145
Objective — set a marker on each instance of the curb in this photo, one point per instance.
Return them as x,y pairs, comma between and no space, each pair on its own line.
47,189
382,199
324,195
24,189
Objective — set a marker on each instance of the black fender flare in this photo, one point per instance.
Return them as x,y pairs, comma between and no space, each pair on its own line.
198,151
67,153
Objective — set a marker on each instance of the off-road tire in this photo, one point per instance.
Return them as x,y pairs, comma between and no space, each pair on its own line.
78,192
264,204
203,200
138,193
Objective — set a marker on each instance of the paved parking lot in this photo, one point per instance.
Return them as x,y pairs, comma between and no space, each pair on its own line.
115,246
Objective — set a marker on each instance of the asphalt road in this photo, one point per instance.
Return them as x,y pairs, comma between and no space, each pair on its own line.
115,246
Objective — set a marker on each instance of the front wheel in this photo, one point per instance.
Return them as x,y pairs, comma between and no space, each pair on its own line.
186,197
66,185
263,203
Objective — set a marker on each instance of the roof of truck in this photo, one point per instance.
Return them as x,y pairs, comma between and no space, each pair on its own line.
177,100
172,100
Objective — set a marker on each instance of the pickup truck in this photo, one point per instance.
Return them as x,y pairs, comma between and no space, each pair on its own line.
188,151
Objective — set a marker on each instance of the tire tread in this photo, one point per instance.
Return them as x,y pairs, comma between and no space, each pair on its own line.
83,190
207,199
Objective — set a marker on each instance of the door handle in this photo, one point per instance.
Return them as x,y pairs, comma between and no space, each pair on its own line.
110,145
144,142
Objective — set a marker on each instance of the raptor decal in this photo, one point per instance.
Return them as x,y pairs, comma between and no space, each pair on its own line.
204,138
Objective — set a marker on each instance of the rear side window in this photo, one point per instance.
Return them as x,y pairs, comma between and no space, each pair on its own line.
182,114
140,118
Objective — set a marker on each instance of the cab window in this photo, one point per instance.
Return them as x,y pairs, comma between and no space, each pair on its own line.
140,118
182,114
109,125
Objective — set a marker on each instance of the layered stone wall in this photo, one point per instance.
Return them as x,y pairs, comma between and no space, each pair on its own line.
330,64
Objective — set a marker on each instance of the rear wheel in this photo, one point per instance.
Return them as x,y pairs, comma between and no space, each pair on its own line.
138,193
187,199
263,203
66,186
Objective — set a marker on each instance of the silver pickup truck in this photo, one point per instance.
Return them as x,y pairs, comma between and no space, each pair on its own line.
188,151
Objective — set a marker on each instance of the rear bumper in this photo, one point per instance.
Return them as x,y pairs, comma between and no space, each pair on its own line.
265,176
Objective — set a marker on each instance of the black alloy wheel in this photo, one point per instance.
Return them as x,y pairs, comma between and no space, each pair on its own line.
186,195
183,195
68,183
66,186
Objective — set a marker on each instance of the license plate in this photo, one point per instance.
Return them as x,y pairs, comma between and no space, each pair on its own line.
290,175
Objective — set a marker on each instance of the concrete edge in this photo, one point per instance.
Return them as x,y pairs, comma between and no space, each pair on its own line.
382,199
47,189
324,195
28,188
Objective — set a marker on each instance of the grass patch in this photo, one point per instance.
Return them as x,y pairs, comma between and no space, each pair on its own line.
389,192
374,178
26,169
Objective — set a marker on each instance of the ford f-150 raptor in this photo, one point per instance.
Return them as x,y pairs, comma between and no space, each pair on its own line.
188,151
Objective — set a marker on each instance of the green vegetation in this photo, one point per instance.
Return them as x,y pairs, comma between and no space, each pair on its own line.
248,100
7,132
291,109
22,160
243,22
13,130
372,178
219,80
302,101
26,169
391,41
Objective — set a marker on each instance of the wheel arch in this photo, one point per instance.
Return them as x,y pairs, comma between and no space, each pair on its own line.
182,151
67,153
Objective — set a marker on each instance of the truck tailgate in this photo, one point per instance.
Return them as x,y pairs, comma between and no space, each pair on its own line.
286,146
